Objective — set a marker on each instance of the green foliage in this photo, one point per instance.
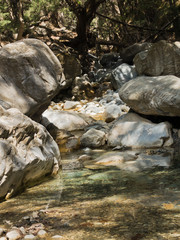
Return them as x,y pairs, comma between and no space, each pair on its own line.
152,14
4,16
37,8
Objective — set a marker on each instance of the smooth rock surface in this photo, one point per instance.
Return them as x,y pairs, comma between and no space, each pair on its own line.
122,74
14,235
27,152
162,58
30,76
64,120
153,95
112,112
93,138
42,234
133,131
70,104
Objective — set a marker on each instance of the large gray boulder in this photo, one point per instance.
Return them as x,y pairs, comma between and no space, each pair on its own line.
27,152
153,95
162,58
133,131
30,76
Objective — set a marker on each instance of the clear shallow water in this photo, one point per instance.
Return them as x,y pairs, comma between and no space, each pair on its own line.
101,202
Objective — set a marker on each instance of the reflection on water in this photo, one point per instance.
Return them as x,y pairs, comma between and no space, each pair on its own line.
100,199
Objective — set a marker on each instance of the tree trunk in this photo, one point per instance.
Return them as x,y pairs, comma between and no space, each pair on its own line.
21,21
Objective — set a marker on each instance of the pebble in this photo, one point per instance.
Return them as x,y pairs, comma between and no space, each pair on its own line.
14,235
22,229
70,104
3,238
42,234
35,215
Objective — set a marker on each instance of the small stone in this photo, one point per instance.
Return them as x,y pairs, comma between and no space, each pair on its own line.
57,237
42,234
26,218
3,238
14,235
22,229
29,237
112,112
93,138
35,215
70,104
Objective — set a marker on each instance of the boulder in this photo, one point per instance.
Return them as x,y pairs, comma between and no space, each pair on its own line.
122,74
27,152
162,58
93,138
128,54
153,95
133,131
64,120
30,76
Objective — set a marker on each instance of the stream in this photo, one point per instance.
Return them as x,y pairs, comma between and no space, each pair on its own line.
88,202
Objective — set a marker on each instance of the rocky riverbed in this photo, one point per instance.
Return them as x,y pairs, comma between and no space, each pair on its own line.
93,201
119,136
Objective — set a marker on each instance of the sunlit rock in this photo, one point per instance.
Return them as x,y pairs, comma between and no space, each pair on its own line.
27,152
64,120
153,95
70,104
112,112
14,235
122,74
93,138
30,76
162,58
133,131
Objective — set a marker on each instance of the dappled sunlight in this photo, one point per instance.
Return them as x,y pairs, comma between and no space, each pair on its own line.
89,203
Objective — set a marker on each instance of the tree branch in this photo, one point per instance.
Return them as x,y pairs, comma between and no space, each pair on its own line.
128,25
